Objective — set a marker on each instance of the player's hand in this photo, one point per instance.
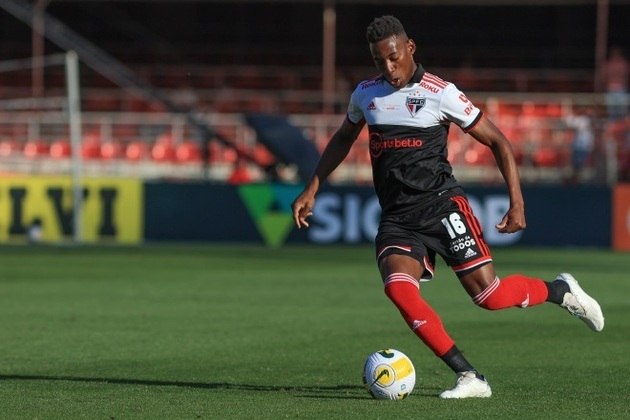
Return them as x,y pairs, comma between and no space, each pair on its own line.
513,221
302,209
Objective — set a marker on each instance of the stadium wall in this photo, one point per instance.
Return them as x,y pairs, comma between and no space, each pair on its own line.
129,211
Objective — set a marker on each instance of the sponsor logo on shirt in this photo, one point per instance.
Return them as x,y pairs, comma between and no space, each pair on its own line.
430,88
378,145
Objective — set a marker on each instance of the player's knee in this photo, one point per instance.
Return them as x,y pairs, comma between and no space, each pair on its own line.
491,304
402,290
491,297
399,293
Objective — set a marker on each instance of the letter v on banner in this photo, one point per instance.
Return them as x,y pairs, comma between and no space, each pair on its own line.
621,218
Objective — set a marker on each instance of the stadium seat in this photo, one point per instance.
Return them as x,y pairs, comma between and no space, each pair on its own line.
163,152
229,155
546,157
478,156
90,150
214,151
9,147
36,149
221,154
240,174
60,149
111,150
263,155
91,146
188,152
455,149
136,150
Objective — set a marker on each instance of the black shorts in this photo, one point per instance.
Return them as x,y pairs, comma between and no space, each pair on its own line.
447,227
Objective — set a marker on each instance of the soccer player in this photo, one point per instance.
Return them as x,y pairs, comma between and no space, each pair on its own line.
424,209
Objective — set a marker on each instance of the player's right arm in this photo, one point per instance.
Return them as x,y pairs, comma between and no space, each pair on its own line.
335,152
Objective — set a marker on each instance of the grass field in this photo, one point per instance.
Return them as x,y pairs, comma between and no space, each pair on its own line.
234,332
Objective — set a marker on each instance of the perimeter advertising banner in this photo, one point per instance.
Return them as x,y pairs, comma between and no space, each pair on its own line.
112,209
557,216
128,211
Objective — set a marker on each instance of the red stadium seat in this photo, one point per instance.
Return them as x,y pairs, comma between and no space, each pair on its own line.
136,150
546,157
60,149
263,156
240,174
36,148
478,156
111,150
188,152
163,152
91,146
9,147
221,154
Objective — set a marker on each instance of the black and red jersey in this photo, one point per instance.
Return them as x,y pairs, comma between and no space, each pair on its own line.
408,130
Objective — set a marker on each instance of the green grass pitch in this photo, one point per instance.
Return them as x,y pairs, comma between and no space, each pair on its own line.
246,332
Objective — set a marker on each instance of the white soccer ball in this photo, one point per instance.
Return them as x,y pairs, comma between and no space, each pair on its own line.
389,375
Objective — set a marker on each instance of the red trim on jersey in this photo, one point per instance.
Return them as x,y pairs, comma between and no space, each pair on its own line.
433,79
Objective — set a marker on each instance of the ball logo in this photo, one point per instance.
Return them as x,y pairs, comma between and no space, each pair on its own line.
385,375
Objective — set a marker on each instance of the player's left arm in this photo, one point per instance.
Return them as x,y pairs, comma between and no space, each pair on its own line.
485,132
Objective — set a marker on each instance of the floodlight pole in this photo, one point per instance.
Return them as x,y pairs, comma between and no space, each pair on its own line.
601,44
74,118
38,48
328,59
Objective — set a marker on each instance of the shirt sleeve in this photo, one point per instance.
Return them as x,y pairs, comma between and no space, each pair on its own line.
355,114
457,108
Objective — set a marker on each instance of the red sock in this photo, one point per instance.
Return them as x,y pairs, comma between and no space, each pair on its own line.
515,290
404,291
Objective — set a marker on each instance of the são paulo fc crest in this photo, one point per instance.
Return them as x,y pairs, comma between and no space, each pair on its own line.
415,104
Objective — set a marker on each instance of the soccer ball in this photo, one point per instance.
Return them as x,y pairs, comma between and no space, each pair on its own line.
389,375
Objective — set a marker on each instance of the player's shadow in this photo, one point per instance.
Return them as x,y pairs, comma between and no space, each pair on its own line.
320,391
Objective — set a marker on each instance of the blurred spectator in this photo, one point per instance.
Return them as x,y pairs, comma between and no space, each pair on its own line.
616,72
582,143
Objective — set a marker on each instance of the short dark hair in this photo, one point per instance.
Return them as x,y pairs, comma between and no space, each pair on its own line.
383,27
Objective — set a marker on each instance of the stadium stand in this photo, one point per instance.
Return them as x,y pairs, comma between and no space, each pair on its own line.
121,128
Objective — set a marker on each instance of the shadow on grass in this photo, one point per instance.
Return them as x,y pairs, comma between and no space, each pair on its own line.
336,391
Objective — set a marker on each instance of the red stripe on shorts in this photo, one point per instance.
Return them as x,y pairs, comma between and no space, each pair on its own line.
464,207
